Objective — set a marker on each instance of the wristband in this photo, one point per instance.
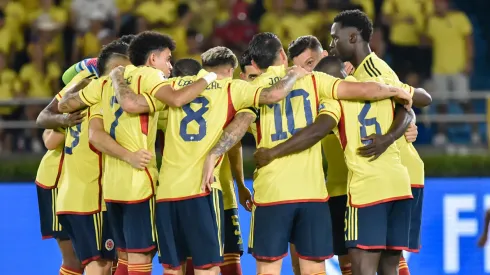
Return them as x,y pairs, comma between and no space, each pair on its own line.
210,77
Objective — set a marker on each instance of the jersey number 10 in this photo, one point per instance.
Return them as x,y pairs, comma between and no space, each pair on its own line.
367,122
278,116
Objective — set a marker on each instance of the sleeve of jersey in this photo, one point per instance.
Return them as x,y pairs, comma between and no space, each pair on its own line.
244,94
330,107
327,85
90,95
95,111
408,88
250,110
72,83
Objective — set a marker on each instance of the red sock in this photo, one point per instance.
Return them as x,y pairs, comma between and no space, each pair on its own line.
403,267
231,265
346,270
122,267
68,271
189,267
139,269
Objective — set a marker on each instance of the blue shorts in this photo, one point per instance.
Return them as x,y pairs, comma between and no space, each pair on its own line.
308,225
416,219
91,236
381,226
50,225
191,228
233,236
133,225
337,206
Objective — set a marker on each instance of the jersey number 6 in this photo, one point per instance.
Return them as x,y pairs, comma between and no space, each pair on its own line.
75,134
280,133
118,113
196,116
367,122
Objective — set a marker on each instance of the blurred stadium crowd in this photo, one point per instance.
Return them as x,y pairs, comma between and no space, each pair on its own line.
429,43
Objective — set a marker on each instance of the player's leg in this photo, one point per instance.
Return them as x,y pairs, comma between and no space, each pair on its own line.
294,259
366,233
140,236
312,236
415,227
115,218
233,243
171,246
51,228
403,266
85,231
337,207
202,221
398,235
270,233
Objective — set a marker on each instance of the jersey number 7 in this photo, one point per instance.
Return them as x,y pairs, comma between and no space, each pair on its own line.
367,122
118,113
196,116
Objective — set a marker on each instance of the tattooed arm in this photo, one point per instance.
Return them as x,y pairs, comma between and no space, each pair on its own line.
51,118
130,101
282,88
71,101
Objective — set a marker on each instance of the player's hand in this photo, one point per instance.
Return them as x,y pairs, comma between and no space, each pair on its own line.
140,159
73,119
377,146
483,240
117,71
245,197
411,133
349,68
263,157
207,173
300,72
405,98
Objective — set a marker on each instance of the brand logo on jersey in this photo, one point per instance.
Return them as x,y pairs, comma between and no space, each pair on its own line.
183,82
109,244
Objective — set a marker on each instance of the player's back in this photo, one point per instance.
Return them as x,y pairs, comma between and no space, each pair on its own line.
373,68
133,132
298,177
193,130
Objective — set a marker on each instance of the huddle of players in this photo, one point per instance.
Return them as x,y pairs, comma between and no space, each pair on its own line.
288,110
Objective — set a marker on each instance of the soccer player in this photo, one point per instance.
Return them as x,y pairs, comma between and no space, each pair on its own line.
129,191
186,67
278,199
190,216
307,51
248,72
351,33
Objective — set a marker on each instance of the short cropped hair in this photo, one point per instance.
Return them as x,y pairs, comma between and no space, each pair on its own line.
301,44
115,48
264,49
219,56
128,38
186,67
245,60
358,20
329,61
145,43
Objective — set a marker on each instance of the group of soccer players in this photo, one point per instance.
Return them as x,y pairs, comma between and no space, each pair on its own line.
100,192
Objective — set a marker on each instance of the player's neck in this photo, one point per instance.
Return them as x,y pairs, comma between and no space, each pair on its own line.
360,54
278,62
220,72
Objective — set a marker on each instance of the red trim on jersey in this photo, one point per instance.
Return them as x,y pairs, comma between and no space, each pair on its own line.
89,260
47,237
144,118
333,87
170,267
151,181
184,198
99,178
314,258
316,91
378,202
77,212
231,109
219,161
44,186
341,127
259,132
129,202
208,266
413,250
255,97
393,110
271,259
417,186
369,247
290,201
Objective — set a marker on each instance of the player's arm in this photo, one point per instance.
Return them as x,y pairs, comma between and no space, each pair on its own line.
372,91
71,101
103,142
89,64
51,118
53,139
235,155
282,88
379,143
302,140
421,98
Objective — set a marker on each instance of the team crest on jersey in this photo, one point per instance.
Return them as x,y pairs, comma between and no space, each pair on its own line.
109,244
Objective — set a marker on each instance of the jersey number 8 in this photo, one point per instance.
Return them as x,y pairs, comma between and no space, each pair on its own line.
196,116
367,122
280,133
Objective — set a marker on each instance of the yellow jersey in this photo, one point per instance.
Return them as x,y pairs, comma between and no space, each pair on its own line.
227,184
81,191
194,129
370,183
122,182
372,68
298,177
337,169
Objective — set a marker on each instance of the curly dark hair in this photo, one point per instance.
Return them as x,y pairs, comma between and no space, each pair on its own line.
128,38
358,20
245,60
185,67
264,49
301,44
145,43
115,48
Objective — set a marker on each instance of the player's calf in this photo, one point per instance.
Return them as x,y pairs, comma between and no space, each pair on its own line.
345,265
294,259
100,267
403,266
364,262
69,259
269,267
312,267
388,262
